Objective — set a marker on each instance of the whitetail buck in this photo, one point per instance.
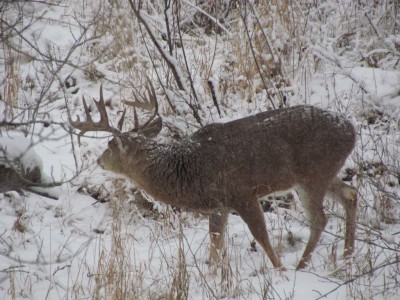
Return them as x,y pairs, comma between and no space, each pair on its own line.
225,167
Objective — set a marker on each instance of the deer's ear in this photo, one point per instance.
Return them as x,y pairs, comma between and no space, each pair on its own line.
153,129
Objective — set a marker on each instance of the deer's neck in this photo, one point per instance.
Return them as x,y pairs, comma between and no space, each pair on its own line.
167,171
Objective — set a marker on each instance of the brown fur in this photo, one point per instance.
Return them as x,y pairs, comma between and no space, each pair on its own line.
226,167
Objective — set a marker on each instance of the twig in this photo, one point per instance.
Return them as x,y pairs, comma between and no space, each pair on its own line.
214,96
372,25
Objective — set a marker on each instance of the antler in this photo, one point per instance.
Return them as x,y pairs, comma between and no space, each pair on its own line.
146,102
141,100
90,125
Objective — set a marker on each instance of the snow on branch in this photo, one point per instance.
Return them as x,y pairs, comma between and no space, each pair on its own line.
346,71
167,57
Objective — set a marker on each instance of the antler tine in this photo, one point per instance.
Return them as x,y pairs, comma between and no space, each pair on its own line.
152,94
89,124
101,107
121,120
136,126
87,111
153,100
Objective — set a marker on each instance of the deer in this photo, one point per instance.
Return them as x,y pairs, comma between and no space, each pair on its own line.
226,167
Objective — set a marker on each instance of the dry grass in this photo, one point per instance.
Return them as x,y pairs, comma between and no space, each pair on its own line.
11,83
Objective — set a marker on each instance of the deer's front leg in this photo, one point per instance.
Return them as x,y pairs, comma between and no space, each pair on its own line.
253,215
217,224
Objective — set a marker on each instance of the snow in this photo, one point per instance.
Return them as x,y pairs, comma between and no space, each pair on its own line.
95,241
18,150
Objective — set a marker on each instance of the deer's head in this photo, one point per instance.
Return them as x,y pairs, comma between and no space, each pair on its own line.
124,146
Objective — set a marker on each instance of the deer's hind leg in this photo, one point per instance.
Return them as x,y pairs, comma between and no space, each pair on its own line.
347,197
252,213
217,224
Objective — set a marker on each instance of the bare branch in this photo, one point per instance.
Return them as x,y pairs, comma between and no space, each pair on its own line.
166,57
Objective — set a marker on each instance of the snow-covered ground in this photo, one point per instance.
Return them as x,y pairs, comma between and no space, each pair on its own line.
97,242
